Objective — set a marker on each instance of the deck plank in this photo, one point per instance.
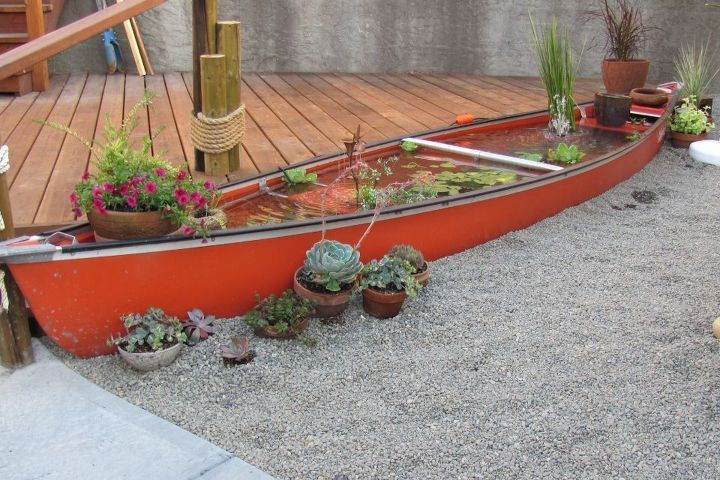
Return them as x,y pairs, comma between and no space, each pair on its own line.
181,105
167,143
134,91
11,116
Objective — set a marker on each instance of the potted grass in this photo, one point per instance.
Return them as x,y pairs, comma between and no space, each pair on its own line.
328,276
421,270
153,339
625,35
385,284
283,317
688,124
696,68
557,67
134,194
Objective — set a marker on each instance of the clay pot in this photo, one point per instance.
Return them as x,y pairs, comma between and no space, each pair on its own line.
622,76
330,304
423,277
649,97
270,332
114,225
683,140
383,305
148,361
612,110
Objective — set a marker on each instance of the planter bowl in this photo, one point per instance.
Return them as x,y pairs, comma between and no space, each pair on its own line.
114,225
649,97
383,305
328,304
270,332
148,361
683,140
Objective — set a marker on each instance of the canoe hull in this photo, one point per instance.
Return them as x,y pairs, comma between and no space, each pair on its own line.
78,302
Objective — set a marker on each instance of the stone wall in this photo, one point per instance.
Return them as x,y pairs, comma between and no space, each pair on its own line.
455,36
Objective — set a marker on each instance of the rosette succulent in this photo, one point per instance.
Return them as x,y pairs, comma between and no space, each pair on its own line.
332,264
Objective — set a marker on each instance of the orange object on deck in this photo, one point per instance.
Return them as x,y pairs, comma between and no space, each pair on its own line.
464,119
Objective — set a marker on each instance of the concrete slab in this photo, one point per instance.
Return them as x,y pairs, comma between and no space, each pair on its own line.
56,425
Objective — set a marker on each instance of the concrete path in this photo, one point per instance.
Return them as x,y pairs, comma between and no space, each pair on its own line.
54,424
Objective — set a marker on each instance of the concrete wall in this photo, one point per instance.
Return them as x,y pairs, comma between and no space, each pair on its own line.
457,36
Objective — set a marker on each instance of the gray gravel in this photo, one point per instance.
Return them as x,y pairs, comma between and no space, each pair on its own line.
578,348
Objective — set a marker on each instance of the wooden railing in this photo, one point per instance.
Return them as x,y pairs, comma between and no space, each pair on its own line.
37,50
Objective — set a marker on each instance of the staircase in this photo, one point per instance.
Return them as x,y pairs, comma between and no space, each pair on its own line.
21,21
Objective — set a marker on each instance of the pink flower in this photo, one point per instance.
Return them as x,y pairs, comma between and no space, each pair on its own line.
181,197
201,201
124,188
181,175
186,230
99,205
150,188
160,172
108,187
73,198
97,192
209,185
77,213
195,197
131,201
85,176
136,181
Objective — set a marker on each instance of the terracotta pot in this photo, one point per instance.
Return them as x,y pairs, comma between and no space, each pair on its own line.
383,305
423,276
612,110
649,97
622,76
683,140
328,304
129,225
148,361
270,332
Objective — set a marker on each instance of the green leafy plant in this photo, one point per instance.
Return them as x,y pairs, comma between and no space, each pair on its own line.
408,146
568,154
392,274
558,68
689,119
453,183
298,176
633,137
130,179
625,30
282,313
198,326
535,157
237,351
696,66
413,256
332,264
149,332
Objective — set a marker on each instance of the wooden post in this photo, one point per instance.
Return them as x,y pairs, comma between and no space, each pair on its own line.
228,44
200,47
15,345
214,99
36,28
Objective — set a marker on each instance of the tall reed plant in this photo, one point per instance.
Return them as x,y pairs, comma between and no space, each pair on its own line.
558,68
696,66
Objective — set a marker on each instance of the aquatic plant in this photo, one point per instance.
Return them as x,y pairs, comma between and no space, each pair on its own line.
696,67
689,119
237,351
282,313
413,256
332,264
298,176
557,67
408,146
149,332
452,183
535,157
198,326
633,137
625,30
568,154
390,273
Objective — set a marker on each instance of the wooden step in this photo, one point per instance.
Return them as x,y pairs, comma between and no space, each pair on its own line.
20,8
20,84
14,38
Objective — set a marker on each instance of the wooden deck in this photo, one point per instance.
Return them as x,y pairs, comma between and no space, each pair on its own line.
290,118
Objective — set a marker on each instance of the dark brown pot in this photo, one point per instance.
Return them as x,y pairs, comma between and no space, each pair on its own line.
683,140
612,110
622,76
328,304
129,225
270,332
423,277
381,304
649,97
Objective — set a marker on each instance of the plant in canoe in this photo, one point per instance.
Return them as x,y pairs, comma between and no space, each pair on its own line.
282,317
421,270
688,124
385,284
153,339
564,153
132,193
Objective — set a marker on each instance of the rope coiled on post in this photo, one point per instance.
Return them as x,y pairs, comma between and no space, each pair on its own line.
217,135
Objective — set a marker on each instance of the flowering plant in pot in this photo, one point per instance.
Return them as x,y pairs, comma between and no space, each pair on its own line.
153,339
385,284
327,276
134,194
688,124
281,317
421,270
625,35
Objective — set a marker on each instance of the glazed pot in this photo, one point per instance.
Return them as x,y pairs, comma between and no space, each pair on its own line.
383,305
114,225
270,332
622,76
148,361
683,140
612,110
423,276
329,304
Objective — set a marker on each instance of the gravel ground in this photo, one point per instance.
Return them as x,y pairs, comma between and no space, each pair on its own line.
578,348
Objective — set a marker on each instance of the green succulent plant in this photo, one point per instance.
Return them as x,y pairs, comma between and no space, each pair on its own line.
390,274
332,264
282,313
149,332
406,252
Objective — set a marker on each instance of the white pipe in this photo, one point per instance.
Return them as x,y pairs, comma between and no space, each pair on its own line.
493,157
